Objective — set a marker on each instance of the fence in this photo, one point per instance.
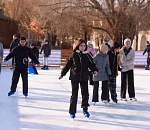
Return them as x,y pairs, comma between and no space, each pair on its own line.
58,57
53,60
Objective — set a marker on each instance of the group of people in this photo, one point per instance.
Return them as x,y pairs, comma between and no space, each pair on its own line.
104,67
84,64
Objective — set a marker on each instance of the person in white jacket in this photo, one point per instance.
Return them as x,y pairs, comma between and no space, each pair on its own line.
127,56
1,55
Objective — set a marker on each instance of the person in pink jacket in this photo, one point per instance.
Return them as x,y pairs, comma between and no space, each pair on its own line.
92,52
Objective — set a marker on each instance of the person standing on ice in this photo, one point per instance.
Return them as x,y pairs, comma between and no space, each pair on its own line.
20,54
92,52
1,55
78,63
127,56
46,49
102,63
114,67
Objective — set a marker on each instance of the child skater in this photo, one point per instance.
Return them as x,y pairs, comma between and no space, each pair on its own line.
102,63
78,63
32,67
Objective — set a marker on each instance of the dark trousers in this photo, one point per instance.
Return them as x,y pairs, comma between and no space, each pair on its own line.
91,82
148,62
74,96
112,88
13,59
15,79
104,94
127,78
35,70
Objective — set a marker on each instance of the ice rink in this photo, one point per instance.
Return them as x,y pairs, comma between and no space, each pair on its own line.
46,107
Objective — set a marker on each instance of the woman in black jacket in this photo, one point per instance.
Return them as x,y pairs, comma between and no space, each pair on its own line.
78,63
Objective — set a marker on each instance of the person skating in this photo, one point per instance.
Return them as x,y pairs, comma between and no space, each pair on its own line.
35,50
147,49
46,49
14,43
78,63
20,54
127,56
102,63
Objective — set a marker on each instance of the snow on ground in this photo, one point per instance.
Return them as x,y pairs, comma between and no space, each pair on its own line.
46,107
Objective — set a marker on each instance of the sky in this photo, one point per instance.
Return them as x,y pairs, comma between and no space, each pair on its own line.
46,107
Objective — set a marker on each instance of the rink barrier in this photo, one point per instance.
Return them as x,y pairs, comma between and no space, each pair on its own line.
53,60
59,57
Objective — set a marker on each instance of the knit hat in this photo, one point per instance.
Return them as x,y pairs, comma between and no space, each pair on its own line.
127,40
116,45
77,44
89,42
103,47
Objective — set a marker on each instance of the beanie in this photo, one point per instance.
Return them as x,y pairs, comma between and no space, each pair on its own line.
127,40
116,45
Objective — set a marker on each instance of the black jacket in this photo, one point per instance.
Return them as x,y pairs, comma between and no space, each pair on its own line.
14,44
47,50
21,54
78,63
35,50
147,49
113,57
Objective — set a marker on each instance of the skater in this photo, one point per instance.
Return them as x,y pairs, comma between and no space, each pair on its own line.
35,50
102,63
20,54
46,48
92,52
114,67
1,55
78,63
14,43
147,49
127,55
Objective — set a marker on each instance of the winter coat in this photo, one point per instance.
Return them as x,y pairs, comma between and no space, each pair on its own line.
1,53
127,61
102,63
147,49
91,50
113,62
78,63
14,44
35,50
21,54
46,48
